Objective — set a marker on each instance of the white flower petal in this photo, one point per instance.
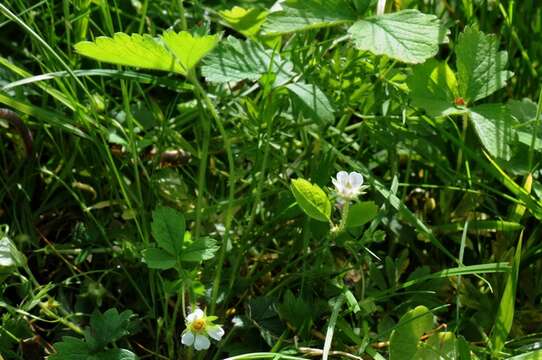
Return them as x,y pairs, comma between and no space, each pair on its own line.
216,332
356,180
197,314
201,342
342,177
188,338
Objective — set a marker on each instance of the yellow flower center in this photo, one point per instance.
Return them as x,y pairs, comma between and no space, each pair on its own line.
198,325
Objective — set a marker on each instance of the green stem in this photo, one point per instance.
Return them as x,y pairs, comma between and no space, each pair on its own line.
344,215
231,185
182,15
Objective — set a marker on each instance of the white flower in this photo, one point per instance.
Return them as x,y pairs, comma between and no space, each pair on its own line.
348,186
199,327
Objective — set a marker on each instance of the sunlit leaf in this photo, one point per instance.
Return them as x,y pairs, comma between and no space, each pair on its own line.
480,65
247,21
495,128
313,100
299,15
408,35
236,60
433,87
143,51
312,199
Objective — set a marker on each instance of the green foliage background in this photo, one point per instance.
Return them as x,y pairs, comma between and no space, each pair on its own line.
440,259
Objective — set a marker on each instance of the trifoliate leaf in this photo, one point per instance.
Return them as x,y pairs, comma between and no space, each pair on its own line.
159,259
246,21
312,199
361,213
313,100
408,35
180,53
189,50
199,250
495,128
433,87
480,66
236,60
168,228
406,335
141,51
300,15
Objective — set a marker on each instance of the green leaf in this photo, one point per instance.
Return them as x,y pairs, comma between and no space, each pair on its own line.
237,60
189,50
312,199
505,313
168,228
300,15
71,348
10,257
313,100
408,35
246,21
440,346
116,354
480,66
141,51
433,87
182,53
108,327
159,259
406,336
361,213
495,128
199,250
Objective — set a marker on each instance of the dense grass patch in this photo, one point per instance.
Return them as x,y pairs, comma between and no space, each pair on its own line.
255,180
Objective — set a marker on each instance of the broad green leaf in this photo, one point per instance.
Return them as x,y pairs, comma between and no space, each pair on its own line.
142,51
300,15
107,327
159,259
495,128
433,87
440,346
480,66
188,49
406,335
199,250
312,199
71,348
361,213
505,313
408,35
168,228
236,60
313,100
116,354
247,21
179,52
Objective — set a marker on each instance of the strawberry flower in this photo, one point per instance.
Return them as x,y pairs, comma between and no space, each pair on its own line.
199,327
